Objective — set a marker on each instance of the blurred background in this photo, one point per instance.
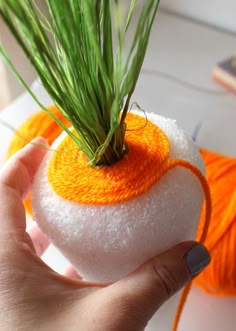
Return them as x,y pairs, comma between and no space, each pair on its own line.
216,13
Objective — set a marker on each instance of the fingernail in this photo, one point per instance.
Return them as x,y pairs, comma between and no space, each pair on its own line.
196,259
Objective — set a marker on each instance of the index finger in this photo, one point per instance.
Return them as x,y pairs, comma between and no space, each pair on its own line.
15,181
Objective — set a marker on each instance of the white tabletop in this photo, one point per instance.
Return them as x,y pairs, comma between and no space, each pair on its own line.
189,52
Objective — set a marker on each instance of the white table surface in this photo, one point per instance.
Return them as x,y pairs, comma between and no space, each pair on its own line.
189,52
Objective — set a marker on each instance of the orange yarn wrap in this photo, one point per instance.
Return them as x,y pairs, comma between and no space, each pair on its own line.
126,179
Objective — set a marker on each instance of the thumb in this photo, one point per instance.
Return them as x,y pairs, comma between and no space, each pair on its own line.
159,278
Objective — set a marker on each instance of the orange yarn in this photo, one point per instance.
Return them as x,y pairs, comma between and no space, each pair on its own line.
203,231
220,277
128,178
38,124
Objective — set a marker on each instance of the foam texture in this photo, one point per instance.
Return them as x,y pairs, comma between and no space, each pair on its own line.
104,243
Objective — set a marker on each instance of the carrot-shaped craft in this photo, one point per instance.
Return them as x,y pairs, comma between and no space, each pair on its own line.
117,187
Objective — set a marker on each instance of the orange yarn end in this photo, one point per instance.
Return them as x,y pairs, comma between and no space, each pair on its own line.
181,304
38,124
203,231
219,278
206,217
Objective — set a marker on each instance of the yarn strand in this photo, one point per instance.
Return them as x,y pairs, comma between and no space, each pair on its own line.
208,208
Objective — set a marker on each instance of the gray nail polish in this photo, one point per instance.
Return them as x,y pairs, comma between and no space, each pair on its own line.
196,259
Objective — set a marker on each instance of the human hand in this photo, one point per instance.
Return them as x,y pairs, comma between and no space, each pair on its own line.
34,297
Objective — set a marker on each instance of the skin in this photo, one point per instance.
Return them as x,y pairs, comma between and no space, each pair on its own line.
34,297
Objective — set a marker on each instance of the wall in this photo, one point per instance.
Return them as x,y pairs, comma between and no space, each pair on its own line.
4,91
221,13
217,12
8,80
10,87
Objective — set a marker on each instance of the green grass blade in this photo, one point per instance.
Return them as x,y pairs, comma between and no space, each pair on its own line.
89,79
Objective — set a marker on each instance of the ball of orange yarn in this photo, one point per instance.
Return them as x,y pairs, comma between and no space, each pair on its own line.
220,277
38,124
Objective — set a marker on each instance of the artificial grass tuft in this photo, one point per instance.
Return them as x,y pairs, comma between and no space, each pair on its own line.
89,79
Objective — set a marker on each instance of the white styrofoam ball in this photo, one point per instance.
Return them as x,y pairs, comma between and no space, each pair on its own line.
106,242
